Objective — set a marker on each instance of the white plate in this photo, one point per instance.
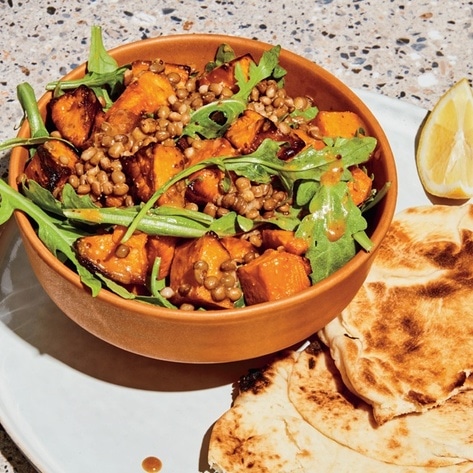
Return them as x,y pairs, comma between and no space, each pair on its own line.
76,404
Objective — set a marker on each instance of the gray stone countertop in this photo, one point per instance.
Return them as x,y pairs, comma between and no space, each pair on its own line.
408,50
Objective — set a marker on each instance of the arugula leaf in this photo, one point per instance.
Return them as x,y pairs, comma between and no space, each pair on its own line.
41,197
152,224
26,96
288,221
163,220
231,224
212,120
268,66
56,236
223,55
261,165
307,114
330,229
103,76
71,200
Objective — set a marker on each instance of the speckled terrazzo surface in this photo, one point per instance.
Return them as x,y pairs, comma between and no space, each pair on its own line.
407,50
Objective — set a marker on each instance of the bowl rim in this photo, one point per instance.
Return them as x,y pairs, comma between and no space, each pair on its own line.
234,315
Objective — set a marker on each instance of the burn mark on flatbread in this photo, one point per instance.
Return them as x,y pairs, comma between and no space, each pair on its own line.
443,254
255,380
315,347
420,398
450,255
437,289
460,381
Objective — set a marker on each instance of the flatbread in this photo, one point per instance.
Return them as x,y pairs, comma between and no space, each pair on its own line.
405,342
264,433
441,436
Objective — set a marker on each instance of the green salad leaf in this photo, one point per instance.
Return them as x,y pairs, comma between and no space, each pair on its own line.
58,236
330,229
224,54
268,66
104,76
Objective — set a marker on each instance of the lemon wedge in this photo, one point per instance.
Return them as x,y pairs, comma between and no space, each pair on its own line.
444,154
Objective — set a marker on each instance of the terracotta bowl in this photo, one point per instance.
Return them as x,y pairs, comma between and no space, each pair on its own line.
229,335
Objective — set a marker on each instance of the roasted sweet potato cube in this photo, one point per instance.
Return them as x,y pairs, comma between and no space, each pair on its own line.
183,71
243,131
212,148
152,167
174,197
125,263
188,288
203,186
238,248
225,73
52,164
161,247
251,129
144,95
360,187
276,238
123,121
74,113
273,276
339,124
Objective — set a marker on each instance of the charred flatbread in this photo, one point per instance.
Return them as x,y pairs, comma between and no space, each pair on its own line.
405,343
264,433
438,437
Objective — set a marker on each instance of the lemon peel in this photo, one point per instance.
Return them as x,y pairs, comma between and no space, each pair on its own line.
444,155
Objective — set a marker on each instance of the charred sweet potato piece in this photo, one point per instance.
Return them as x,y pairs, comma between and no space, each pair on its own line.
238,248
360,187
210,149
150,168
144,95
272,276
203,186
251,129
162,247
339,124
74,113
125,263
187,287
225,73
275,239
52,164
243,131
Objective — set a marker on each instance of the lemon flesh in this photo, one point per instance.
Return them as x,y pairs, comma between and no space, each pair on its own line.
445,152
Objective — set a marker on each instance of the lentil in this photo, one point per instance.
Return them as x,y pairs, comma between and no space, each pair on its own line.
122,251
167,292
187,306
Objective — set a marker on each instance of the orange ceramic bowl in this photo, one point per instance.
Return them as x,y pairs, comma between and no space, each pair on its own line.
217,336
